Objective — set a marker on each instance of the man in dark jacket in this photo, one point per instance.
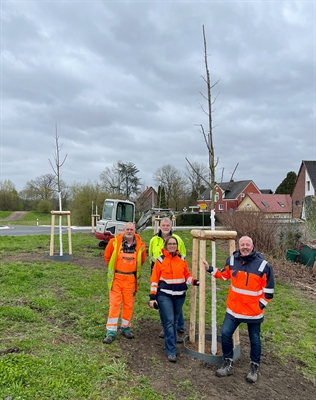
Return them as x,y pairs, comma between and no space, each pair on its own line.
252,287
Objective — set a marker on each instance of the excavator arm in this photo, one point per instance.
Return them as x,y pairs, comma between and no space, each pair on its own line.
147,215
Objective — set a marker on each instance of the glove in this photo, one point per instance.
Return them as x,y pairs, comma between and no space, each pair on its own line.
196,282
261,306
210,269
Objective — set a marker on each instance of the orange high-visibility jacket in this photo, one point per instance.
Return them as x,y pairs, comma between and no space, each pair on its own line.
170,275
111,252
252,286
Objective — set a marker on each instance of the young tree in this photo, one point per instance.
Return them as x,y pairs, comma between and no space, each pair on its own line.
56,166
287,185
208,138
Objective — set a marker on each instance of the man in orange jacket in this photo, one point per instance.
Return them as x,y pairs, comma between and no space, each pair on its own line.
251,289
124,256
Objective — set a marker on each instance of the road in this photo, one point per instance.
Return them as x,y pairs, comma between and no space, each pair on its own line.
22,230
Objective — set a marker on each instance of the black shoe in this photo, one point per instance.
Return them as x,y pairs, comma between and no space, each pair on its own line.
180,337
253,373
108,339
172,358
128,334
226,369
162,334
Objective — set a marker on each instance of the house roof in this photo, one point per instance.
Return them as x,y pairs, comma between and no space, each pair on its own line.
266,191
271,203
232,189
311,169
148,191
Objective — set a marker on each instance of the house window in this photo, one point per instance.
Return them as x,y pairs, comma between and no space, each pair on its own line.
281,204
247,205
221,207
308,186
265,204
216,197
242,195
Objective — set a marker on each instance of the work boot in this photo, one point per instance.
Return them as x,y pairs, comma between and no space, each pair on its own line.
127,333
226,369
162,334
108,339
253,373
172,358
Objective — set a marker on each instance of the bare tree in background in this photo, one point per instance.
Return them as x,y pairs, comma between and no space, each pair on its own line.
197,180
173,183
56,166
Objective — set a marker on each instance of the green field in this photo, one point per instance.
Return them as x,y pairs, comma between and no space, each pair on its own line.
53,316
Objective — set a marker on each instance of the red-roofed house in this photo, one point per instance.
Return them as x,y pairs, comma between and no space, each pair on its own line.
273,205
228,195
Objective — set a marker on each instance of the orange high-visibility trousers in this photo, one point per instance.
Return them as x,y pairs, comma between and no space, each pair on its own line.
122,292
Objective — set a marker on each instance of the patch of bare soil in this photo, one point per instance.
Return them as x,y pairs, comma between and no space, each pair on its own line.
193,378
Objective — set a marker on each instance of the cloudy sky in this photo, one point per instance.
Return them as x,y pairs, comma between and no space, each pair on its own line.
123,81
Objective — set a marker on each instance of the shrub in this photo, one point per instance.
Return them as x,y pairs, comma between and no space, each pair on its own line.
263,231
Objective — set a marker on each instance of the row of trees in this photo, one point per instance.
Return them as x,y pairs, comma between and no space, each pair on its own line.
176,190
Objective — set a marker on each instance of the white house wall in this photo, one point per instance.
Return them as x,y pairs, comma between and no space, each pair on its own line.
309,192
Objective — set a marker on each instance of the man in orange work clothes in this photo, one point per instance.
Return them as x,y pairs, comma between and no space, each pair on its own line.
124,256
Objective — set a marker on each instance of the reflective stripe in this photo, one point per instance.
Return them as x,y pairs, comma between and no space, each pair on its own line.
125,323
247,292
263,301
214,272
231,262
262,265
244,316
173,281
266,290
112,320
111,328
190,281
172,292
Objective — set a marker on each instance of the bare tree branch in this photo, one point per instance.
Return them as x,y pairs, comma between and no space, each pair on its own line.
56,167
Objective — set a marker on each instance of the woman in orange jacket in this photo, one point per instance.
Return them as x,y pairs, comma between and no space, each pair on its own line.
169,280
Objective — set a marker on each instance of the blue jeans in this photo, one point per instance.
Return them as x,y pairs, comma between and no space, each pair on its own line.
229,327
170,310
180,326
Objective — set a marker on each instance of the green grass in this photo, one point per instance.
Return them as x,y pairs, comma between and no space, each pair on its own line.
31,218
52,317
